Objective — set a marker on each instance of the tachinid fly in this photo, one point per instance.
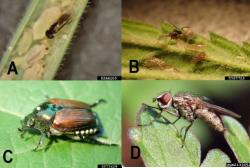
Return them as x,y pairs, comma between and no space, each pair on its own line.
191,107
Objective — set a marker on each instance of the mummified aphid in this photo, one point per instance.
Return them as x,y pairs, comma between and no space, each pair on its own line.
35,54
25,42
58,25
35,72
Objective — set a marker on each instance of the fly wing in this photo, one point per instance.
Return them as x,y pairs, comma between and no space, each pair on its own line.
221,110
195,95
73,119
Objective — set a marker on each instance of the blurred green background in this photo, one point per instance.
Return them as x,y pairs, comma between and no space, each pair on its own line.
233,95
18,99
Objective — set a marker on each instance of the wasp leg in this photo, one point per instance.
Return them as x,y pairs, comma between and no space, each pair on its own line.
41,140
187,128
97,103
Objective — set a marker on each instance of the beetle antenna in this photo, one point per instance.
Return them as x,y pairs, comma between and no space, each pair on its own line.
47,96
98,102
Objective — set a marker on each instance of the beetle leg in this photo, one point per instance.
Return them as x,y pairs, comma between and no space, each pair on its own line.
22,132
51,140
47,97
40,141
82,137
187,128
97,103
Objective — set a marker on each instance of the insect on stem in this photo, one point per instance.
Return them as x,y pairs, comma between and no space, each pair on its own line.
58,25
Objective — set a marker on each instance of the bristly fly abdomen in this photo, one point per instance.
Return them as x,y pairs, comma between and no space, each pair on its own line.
191,107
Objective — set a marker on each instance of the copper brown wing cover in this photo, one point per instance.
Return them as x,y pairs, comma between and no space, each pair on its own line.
70,103
73,119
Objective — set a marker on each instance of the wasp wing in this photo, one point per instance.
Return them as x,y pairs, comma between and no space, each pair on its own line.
73,119
221,110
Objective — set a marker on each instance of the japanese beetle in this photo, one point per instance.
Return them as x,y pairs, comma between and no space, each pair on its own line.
62,117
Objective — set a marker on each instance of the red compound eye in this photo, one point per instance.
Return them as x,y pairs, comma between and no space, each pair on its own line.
164,98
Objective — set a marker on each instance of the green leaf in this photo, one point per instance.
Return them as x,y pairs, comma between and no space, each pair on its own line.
19,99
168,28
238,139
161,145
215,158
246,48
225,43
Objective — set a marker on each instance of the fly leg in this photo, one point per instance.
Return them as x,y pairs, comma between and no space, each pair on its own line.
173,123
187,128
143,107
41,140
97,103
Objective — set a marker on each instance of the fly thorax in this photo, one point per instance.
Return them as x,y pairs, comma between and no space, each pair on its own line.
188,114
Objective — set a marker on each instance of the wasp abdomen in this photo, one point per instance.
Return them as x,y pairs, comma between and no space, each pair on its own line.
211,118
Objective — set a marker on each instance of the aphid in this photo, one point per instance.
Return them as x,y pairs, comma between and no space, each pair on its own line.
62,117
155,63
36,53
200,57
35,72
58,25
25,42
191,107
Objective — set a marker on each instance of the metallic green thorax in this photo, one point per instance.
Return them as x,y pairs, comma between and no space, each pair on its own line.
41,117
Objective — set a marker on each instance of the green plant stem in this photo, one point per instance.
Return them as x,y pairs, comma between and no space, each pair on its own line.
49,60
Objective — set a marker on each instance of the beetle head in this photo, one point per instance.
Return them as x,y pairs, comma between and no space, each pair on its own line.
164,100
28,121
